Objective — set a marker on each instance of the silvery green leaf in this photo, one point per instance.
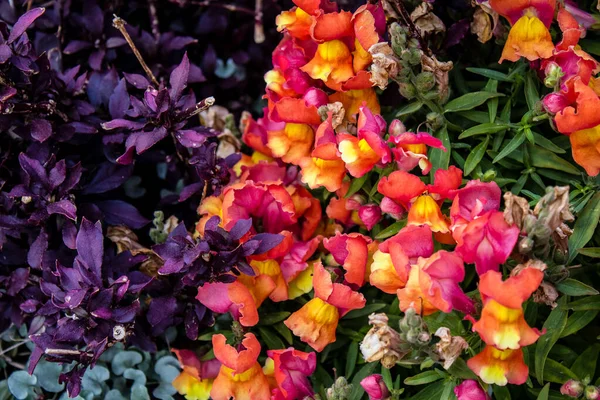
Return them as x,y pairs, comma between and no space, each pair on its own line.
47,374
138,377
21,384
167,368
139,392
164,391
114,394
109,354
124,360
93,380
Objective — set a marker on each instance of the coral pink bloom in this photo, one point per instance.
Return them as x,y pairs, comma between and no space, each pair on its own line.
340,209
362,152
486,241
196,378
392,261
500,367
370,215
411,150
585,146
241,376
352,252
308,211
474,200
255,132
295,267
315,323
433,284
240,300
291,370
575,108
470,390
421,201
375,387
270,204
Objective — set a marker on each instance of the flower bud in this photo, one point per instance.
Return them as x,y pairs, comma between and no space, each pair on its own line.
375,387
370,215
572,388
526,245
592,393
398,35
553,74
434,120
340,390
396,128
412,56
470,390
424,81
407,90
489,175
26,199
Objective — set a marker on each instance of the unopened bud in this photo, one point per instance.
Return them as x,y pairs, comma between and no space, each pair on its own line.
434,120
412,56
526,245
572,388
553,74
26,199
489,175
396,128
407,90
398,35
424,81
592,393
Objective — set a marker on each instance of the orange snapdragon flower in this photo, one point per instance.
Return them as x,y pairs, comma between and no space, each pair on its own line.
241,376
354,253
315,323
500,367
196,378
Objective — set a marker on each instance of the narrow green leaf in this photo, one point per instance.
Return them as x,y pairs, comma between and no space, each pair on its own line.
272,341
593,252
555,372
531,93
351,359
547,144
476,156
429,393
544,392
386,374
585,365
486,128
554,325
423,378
578,320
366,310
476,116
448,392
469,101
438,157
391,230
409,109
573,287
357,390
585,226
501,393
274,317
492,74
511,146
542,158
459,369
589,303
284,331
492,86
356,185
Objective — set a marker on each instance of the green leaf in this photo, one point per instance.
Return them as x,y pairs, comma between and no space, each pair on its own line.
577,321
531,93
542,158
357,390
476,156
409,109
391,230
21,384
164,391
554,325
351,359
423,378
94,378
511,146
492,86
284,331
469,101
501,393
486,128
585,226
273,318
476,116
387,377
585,365
547,144
593,252
124,360
492,74
544,392
47,374
555,372
366,310
459,369
573,287
356,185
448,392
272,340
438,157
429,393
114,394
589,303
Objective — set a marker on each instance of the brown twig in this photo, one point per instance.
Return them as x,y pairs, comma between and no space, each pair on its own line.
154,20
119,23
14,346
398,5
259,29
195,109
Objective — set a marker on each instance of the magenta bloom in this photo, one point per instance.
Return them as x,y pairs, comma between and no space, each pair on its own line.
486,241
470,390
370,215
411,150
291,370
375,387
572,388
475,199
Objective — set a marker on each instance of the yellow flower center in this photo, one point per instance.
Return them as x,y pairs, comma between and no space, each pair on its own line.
298,132
333,50
322,312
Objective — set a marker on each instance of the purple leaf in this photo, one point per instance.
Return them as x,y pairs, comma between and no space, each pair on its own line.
126,314
64,207
75,46
35,255
190,190
101,86
137,80
122,123
190,138
5,53
240,228
179,77
267,241
161,313
18,281
118,212
196,75
24,22
69,234
108,177
57,175
114,42
118,104
90,246
142,141
69,330
32,167
95,59
41,129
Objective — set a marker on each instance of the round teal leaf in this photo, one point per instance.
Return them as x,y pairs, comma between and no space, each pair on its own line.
167,368
114,394
21,384
47,374
137,376
124,360
164,391
139,392
94,378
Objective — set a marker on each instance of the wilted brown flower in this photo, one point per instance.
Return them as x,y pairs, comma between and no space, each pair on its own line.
381,342
553,208
127,240
546,294
516,210
449,348
440,70
482,25
533,263
385,65
426,21
337,113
